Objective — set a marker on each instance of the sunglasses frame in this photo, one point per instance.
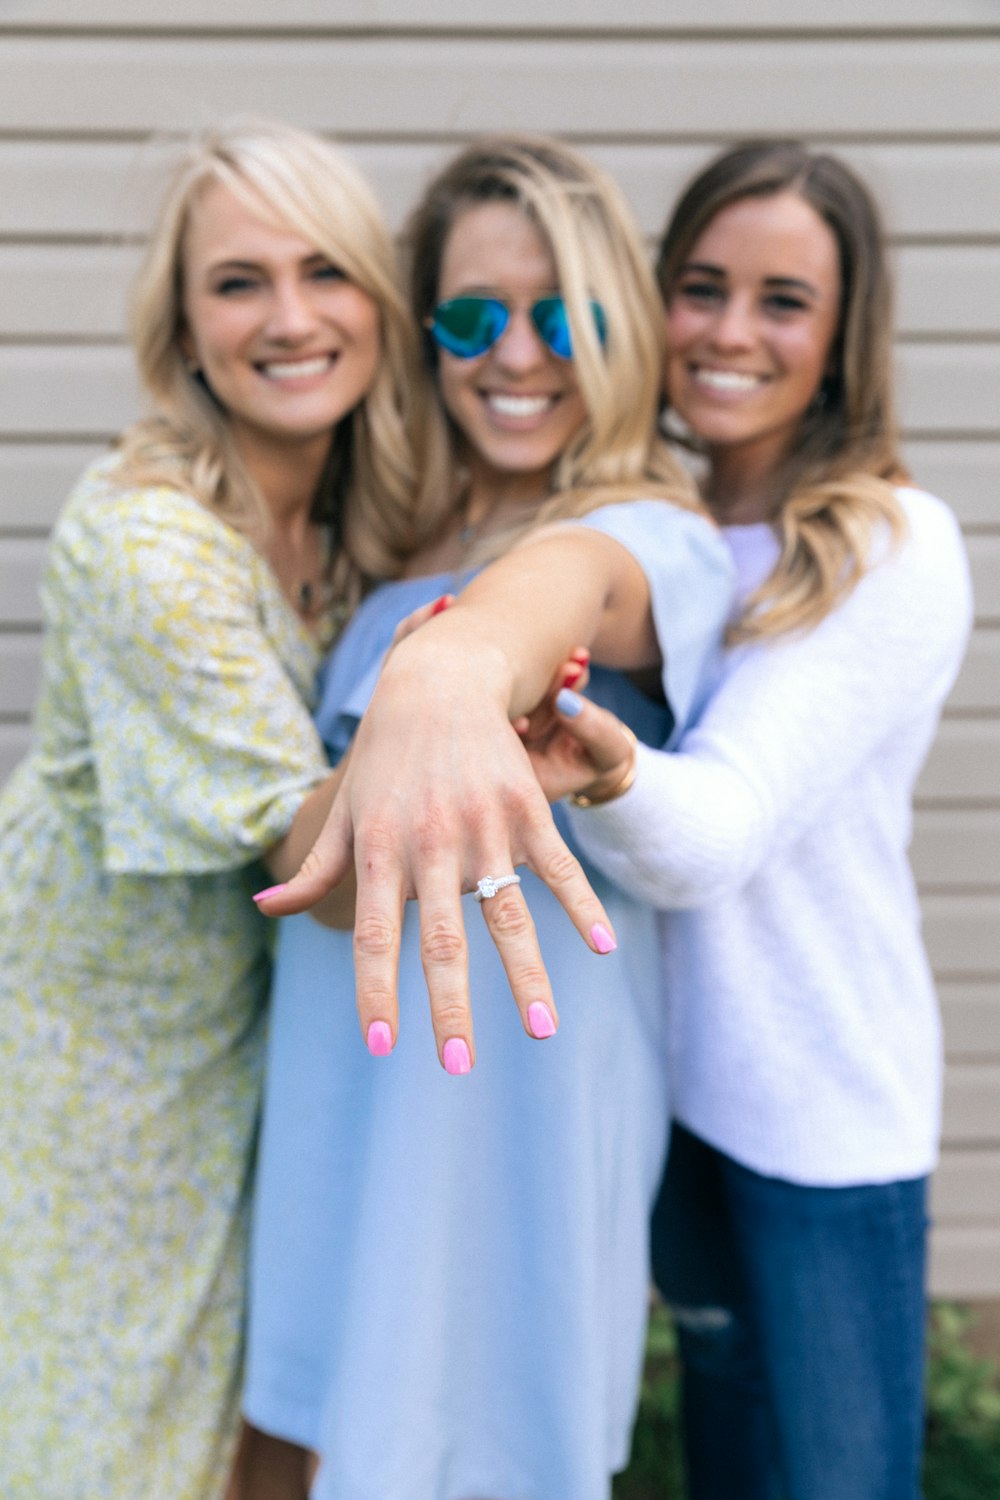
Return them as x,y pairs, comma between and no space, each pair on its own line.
453,345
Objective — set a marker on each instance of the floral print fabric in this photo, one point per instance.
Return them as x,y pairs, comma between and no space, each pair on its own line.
173,746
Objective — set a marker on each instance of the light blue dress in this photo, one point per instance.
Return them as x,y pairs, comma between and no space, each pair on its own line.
449,1275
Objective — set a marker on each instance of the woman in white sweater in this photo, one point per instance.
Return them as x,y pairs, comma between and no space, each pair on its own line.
805,1062
805,1041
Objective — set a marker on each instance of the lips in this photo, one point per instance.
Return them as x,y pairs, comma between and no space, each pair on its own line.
518,407
726,382
297,369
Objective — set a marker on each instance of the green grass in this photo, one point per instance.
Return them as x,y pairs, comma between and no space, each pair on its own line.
962,1459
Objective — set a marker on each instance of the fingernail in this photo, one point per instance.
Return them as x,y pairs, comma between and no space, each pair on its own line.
457,1058
379,1039
569,703
540,1020
602,939
441,604
573,675
581,654
272,890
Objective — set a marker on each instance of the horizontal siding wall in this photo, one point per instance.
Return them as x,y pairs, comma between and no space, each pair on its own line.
90,97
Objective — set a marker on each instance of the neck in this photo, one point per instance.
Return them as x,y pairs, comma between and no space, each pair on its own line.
495,499
287,478
741,493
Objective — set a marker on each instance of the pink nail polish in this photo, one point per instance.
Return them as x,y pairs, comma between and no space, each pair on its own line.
272,890
457,1058
602,939
379,1039
540,1020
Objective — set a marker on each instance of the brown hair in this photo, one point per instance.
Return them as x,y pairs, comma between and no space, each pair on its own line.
837,488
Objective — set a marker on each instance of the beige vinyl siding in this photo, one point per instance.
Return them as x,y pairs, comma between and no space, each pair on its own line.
906,89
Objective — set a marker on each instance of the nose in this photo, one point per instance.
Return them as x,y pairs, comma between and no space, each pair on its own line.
733,326
520,349
291,317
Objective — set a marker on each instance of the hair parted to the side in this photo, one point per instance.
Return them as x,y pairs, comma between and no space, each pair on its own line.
598,252
380,473
837,491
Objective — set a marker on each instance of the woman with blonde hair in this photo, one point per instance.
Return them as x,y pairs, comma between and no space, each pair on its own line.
804,1040
450,1261
193,580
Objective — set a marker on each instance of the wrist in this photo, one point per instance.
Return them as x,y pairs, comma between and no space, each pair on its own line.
452,659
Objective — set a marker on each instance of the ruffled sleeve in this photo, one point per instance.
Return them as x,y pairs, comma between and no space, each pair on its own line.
193,678
691,580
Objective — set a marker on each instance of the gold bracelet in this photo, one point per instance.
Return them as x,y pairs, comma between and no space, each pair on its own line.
621,786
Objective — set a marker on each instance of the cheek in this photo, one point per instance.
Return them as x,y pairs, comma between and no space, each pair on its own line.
807,356
682,324
454,383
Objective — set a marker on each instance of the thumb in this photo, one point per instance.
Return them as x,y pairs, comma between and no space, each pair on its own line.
328,862
604,738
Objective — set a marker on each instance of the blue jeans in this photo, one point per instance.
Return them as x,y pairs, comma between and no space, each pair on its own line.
801,1320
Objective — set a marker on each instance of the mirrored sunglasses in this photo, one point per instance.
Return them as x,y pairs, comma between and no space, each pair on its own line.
468,326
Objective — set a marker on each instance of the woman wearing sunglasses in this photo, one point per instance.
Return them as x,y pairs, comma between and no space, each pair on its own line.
804,1035
450,1272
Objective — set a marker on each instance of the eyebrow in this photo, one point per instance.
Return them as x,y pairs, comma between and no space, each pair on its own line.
236,264
706,268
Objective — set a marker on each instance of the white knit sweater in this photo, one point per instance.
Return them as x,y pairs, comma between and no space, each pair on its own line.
805,1032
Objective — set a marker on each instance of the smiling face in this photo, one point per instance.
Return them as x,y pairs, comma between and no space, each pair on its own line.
517,406
751,320
287,345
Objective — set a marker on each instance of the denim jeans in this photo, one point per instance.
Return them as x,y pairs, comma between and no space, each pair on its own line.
801,1319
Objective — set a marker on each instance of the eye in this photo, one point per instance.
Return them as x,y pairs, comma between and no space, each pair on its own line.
232,285
327,271
785,304
700,292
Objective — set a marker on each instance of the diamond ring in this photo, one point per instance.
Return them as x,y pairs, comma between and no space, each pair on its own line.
491,885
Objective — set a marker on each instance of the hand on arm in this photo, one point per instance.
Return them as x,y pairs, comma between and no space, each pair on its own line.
578,749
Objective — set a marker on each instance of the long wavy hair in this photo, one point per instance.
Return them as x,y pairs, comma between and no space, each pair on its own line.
597,248
836,489
380,473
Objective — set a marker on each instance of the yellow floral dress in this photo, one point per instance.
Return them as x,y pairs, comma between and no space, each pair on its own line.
173,745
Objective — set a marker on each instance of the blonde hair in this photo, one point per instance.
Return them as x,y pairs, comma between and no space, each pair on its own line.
619,454
379,470
836,491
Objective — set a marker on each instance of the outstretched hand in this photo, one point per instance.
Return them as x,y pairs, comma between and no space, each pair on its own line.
430,803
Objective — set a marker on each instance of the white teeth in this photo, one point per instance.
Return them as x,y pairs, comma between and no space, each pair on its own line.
519,406
727,380
296,369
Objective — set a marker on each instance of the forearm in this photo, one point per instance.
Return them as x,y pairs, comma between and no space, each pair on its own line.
521,617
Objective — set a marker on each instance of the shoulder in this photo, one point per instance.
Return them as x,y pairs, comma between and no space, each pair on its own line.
931,553
651,528
107,517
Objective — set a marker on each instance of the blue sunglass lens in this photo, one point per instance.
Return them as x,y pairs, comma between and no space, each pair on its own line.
552,321
468,326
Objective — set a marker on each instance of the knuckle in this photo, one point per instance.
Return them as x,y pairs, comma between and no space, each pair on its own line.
508,916
374,937
378,840
559,867
451,1018
442,942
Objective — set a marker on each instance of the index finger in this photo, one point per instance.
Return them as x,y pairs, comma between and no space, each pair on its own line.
378,927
